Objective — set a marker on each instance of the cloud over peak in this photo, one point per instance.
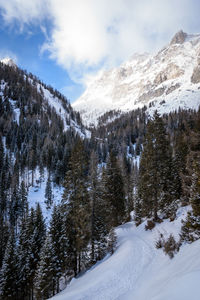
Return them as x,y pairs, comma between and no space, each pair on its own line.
88,35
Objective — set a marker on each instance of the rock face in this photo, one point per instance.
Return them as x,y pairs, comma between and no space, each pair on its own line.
196,75
170,77
172,88
151,95
179,38
172,71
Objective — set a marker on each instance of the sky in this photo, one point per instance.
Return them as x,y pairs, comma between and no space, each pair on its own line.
67,42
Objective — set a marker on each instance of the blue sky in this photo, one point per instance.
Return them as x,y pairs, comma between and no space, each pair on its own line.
24,47
66,42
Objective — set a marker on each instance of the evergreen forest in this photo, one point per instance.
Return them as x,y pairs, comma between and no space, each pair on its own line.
136,166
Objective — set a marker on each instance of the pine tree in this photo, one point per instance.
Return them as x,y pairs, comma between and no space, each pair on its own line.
190,230
114,191
156,172
31,240
1,154
93,197
76,206
48,194
147,183
99,217
14,207
23,254
9,273
44,282
37,240
3,194
23,200
137,209
4,234
59,247
128,179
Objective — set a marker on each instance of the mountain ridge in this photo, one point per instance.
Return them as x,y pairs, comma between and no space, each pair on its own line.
50,96
169,77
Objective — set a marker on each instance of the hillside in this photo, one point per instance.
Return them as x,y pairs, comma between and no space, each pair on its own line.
164,81
38,127
137,270
15,83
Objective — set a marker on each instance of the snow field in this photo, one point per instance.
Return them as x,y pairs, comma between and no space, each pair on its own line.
36,194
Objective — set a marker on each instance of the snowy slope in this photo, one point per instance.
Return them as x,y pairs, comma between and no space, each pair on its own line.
172,75
137,270
36,194
56,102
60,110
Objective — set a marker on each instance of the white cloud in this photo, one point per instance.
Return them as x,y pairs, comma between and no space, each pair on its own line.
87,35
23,11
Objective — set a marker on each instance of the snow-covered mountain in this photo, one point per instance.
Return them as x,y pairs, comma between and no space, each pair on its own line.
168,80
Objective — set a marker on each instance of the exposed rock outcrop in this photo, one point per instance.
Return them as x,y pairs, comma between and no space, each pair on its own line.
179,38
152,94
196,75
172,88
171,72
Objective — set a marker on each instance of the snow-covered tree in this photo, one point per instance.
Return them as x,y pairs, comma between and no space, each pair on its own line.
9,272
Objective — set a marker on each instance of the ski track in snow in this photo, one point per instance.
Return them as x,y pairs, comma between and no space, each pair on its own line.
138,271
132,248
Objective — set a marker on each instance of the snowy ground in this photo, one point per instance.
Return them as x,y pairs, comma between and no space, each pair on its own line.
36,194
137,270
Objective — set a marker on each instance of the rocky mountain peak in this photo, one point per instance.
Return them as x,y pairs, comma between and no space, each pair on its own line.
179,38
165,81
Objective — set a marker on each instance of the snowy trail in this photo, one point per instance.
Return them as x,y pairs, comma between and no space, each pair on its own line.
122,270
138,271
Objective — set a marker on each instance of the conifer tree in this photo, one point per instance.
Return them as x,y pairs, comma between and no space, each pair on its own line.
23,200
129,181
93,198
137,209
44,282
59,247
76,206
4,234
1,154
3,194
190,230
147,177
114,191
31,240
9,272
48,193
99,219
156,172
23,254
14,207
